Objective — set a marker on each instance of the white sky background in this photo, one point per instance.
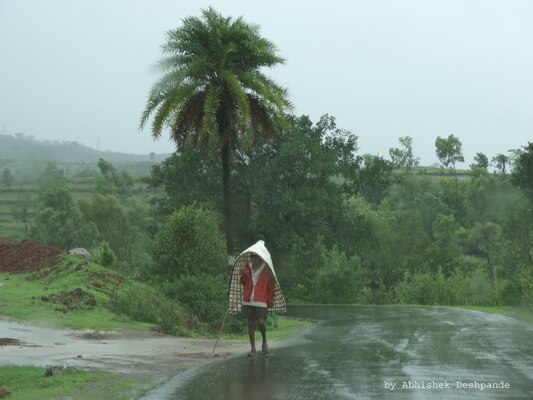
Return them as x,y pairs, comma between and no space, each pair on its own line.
80,70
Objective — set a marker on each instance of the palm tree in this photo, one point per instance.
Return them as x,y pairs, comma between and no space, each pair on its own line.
213,93
500,161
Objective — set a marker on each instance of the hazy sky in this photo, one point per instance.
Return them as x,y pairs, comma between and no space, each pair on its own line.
81,69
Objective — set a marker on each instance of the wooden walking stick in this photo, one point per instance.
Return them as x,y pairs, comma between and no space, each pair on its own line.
220,330
231,265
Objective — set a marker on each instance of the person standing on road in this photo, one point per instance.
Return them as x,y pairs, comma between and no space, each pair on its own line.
258,296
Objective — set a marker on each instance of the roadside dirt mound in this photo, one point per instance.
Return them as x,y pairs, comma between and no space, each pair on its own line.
27,256
73,300
5,243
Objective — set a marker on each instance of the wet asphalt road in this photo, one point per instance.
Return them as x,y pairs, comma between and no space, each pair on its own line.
378,352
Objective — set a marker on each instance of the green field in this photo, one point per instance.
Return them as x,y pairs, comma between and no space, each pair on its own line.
14,198
30,383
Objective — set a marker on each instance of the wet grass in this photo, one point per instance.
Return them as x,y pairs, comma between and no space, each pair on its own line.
74,294
521,313
287,327
30,383
282,328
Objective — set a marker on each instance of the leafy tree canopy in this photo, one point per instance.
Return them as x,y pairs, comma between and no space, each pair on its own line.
523,170
500,162
481,161
190,242
404,157
113,182
449,151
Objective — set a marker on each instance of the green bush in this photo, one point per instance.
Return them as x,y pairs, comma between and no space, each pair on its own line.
297,294
508,292
339,280
205,297
104,255
517,290
426,289
365,296
459,289
416,289
188,243
297,269
379,295
144,303
481,290
459,283
526,284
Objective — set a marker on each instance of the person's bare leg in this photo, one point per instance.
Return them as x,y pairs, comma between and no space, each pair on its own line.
251,333
262,329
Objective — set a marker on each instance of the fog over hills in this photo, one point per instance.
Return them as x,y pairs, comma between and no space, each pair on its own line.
26,148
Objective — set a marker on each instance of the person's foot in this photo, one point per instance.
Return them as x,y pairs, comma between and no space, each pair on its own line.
251,353
264,348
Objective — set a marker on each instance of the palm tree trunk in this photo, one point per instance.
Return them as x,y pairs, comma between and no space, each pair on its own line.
223,131
226,190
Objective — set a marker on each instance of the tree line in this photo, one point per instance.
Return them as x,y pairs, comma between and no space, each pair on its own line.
366,224
342,227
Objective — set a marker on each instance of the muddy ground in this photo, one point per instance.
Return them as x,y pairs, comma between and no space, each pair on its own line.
134,352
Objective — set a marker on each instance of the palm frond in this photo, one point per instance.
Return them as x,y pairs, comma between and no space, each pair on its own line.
163,114
172,62
267,89
236,92
187,121
159,92
173,100
210,109
261,118
188,43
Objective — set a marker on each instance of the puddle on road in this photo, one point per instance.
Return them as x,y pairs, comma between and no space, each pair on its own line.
15,342
11,342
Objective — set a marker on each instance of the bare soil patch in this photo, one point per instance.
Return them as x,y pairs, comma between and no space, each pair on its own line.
27,256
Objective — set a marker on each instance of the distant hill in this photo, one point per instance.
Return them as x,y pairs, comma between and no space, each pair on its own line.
27,148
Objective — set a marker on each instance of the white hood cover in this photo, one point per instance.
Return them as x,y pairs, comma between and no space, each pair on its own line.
235,287
259,249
